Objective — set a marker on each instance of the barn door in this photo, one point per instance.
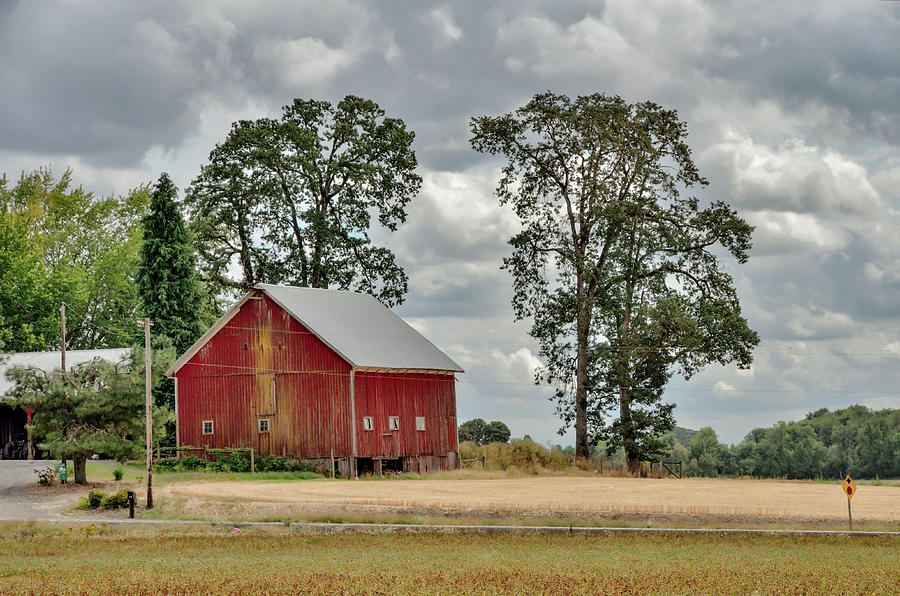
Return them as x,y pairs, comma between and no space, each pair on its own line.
389,447
262,413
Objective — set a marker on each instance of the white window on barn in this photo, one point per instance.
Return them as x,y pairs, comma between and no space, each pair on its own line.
367,423
420,422
393,422
263,425
206,427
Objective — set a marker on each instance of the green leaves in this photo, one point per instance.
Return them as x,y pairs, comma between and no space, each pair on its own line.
291,200
97,407
166,274
618,272
61,244
483,433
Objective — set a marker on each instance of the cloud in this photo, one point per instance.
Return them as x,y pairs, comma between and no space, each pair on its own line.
792,116
440,21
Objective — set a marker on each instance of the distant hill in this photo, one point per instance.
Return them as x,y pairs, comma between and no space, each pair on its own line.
683,435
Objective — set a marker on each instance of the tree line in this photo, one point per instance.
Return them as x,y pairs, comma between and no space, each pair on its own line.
622,276
826,444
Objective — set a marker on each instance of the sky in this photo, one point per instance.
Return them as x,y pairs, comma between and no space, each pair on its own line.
793,110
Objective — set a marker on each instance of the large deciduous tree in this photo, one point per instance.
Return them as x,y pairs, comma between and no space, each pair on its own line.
291,200
59,243
619,273
96,407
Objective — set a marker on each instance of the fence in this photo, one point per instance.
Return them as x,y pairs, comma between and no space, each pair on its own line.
462,462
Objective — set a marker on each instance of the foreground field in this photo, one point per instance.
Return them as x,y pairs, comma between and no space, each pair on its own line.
99,560
721,501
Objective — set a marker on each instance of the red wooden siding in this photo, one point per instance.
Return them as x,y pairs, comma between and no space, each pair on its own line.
406,395
229,381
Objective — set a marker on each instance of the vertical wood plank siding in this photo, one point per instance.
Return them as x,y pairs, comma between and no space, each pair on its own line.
406,395
230,381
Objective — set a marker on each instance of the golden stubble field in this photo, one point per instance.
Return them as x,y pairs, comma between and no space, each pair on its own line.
721,498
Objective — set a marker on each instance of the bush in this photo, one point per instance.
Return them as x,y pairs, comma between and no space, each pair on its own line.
184,464
118,473
46,476
95,498
116,501
236,462
522,454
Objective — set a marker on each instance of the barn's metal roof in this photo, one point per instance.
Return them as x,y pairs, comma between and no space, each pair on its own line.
363,331
49,361
360,328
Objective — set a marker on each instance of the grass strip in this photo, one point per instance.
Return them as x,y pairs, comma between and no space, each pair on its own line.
102,560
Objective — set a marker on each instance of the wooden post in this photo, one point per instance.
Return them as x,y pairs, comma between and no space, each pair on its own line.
148,394
332,463
252,462
849,514
483,463
29,422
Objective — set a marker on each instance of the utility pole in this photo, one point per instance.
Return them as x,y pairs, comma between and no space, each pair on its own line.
149,399
62,338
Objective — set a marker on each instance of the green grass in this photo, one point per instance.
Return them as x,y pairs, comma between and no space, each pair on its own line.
103,470
100,560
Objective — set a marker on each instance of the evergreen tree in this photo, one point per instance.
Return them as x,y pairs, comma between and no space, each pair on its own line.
167,280
95,407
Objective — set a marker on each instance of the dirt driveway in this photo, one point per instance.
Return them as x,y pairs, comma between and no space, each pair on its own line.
716,497
16,478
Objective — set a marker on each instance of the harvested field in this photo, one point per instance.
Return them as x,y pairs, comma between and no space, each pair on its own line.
98,560
715,498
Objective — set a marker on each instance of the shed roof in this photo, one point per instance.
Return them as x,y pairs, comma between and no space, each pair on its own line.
362,330
49,361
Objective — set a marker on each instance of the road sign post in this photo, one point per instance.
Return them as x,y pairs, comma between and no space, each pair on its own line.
849,488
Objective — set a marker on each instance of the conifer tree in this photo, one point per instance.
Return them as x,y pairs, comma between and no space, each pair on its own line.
167,280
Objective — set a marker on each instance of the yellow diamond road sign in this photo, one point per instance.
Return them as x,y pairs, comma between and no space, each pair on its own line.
849,487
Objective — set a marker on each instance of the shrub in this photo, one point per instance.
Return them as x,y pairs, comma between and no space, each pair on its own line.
118,473
236,462
521,454
83,503
116,501
185,464
95,498
46,476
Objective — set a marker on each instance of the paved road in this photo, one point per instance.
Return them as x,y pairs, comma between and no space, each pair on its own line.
15,477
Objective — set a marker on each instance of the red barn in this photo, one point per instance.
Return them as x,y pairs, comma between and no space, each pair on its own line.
316,373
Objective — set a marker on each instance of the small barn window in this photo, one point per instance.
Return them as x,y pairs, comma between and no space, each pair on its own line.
263,425
394,422
367,423
420,422
207,427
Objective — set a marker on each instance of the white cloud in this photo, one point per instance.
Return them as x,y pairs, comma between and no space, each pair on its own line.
440,21
302,62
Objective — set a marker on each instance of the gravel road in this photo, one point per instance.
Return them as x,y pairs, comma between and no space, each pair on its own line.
15,477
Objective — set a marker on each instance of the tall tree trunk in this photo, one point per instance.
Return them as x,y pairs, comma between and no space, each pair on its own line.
582,449
628,439
80,461
246,260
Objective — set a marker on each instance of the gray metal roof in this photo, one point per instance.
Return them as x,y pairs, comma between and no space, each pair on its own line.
360,328
49,361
